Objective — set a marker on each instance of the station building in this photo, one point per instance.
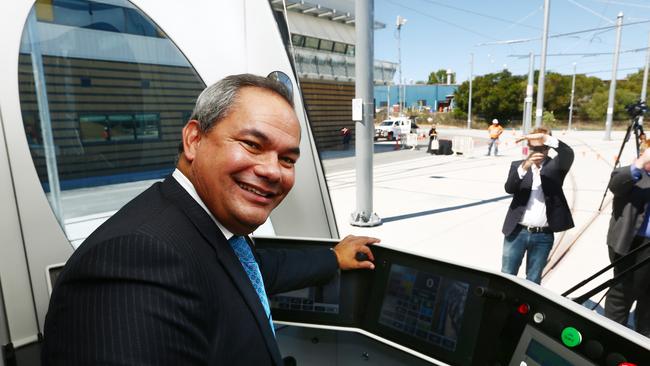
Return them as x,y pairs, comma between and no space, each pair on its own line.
321,38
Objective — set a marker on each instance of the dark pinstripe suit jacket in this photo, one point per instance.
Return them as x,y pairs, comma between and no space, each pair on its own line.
158,284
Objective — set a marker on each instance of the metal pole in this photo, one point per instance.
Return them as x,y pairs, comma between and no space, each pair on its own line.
644,87
388,100
400,22
44,115
612,84
542,67
573,91
364,55
528,102
469,104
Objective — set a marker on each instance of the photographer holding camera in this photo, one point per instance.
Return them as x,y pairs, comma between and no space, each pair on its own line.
629,230
538,208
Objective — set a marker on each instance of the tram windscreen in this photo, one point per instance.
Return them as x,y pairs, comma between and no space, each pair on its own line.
425,306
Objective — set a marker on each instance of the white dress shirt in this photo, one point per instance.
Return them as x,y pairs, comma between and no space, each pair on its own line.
189,187
535,214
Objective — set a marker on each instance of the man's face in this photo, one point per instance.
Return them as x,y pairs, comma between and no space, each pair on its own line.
537,145
244,166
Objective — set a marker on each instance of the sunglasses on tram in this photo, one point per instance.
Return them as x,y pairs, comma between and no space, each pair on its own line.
539,149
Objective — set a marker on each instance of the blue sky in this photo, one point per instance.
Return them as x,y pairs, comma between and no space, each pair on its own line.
441,34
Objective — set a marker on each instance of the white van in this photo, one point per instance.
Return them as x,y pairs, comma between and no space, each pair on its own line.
389,128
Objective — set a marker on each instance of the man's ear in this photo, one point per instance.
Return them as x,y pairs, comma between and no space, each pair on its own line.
191,139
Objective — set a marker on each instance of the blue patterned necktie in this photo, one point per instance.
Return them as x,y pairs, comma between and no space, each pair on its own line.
245,255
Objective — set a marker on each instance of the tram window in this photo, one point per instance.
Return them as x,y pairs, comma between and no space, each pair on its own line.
120,18
119,128
350,50
123,125
147,126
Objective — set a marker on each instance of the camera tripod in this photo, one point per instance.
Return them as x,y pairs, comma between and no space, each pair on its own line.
636,128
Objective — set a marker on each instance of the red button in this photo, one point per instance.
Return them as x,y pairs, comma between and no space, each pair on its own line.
626,364
523,309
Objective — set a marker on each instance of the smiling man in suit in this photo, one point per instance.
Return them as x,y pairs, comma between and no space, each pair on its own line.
172,278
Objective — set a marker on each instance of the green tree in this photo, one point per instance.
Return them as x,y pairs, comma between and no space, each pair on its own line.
440,77
498,95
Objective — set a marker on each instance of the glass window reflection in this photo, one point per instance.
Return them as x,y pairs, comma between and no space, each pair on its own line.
113,96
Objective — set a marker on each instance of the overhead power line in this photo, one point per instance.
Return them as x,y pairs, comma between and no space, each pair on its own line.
480,14
610,70
513,41
418,11
624,3
587,54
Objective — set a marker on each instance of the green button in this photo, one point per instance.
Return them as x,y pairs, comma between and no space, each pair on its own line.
571,337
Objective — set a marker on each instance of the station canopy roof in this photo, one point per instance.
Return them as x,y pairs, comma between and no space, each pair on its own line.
341,11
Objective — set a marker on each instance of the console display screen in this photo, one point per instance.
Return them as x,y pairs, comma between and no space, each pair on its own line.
425,306
537,349
317,299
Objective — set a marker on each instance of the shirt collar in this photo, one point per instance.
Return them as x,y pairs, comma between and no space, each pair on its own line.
189,187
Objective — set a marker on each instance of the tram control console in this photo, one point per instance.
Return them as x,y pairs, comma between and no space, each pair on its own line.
449,314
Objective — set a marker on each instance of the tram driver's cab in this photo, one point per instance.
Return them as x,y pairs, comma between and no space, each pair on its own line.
93,99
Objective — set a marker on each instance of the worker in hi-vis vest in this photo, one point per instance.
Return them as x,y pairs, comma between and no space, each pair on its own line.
495,130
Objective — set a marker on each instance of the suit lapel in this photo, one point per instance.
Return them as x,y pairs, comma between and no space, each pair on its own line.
226,256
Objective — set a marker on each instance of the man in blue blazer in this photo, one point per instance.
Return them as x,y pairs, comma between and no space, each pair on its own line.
538,208
171,278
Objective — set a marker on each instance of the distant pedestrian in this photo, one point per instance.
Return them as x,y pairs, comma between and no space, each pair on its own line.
495,130
538,208
433,136
347,135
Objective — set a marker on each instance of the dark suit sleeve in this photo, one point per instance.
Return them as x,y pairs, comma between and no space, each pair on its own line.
127,301
291,269
514,182
621,181
564,158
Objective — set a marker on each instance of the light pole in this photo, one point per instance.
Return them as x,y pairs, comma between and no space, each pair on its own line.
644,87
573,91
539,112
469,102
363,88
612,85
399,23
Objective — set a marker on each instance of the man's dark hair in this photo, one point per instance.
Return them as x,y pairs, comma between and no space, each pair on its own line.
217,100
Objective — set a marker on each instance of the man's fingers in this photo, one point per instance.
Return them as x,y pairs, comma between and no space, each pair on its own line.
366,265
364,249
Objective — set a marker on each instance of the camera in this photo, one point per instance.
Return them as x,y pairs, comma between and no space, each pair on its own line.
637,109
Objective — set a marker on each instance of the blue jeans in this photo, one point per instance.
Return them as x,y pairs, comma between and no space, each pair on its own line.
538,246
495,143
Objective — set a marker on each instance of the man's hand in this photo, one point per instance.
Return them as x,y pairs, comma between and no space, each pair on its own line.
347,249
643,160
536,138
534,158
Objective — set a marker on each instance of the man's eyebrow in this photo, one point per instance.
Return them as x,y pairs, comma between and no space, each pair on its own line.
265,139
